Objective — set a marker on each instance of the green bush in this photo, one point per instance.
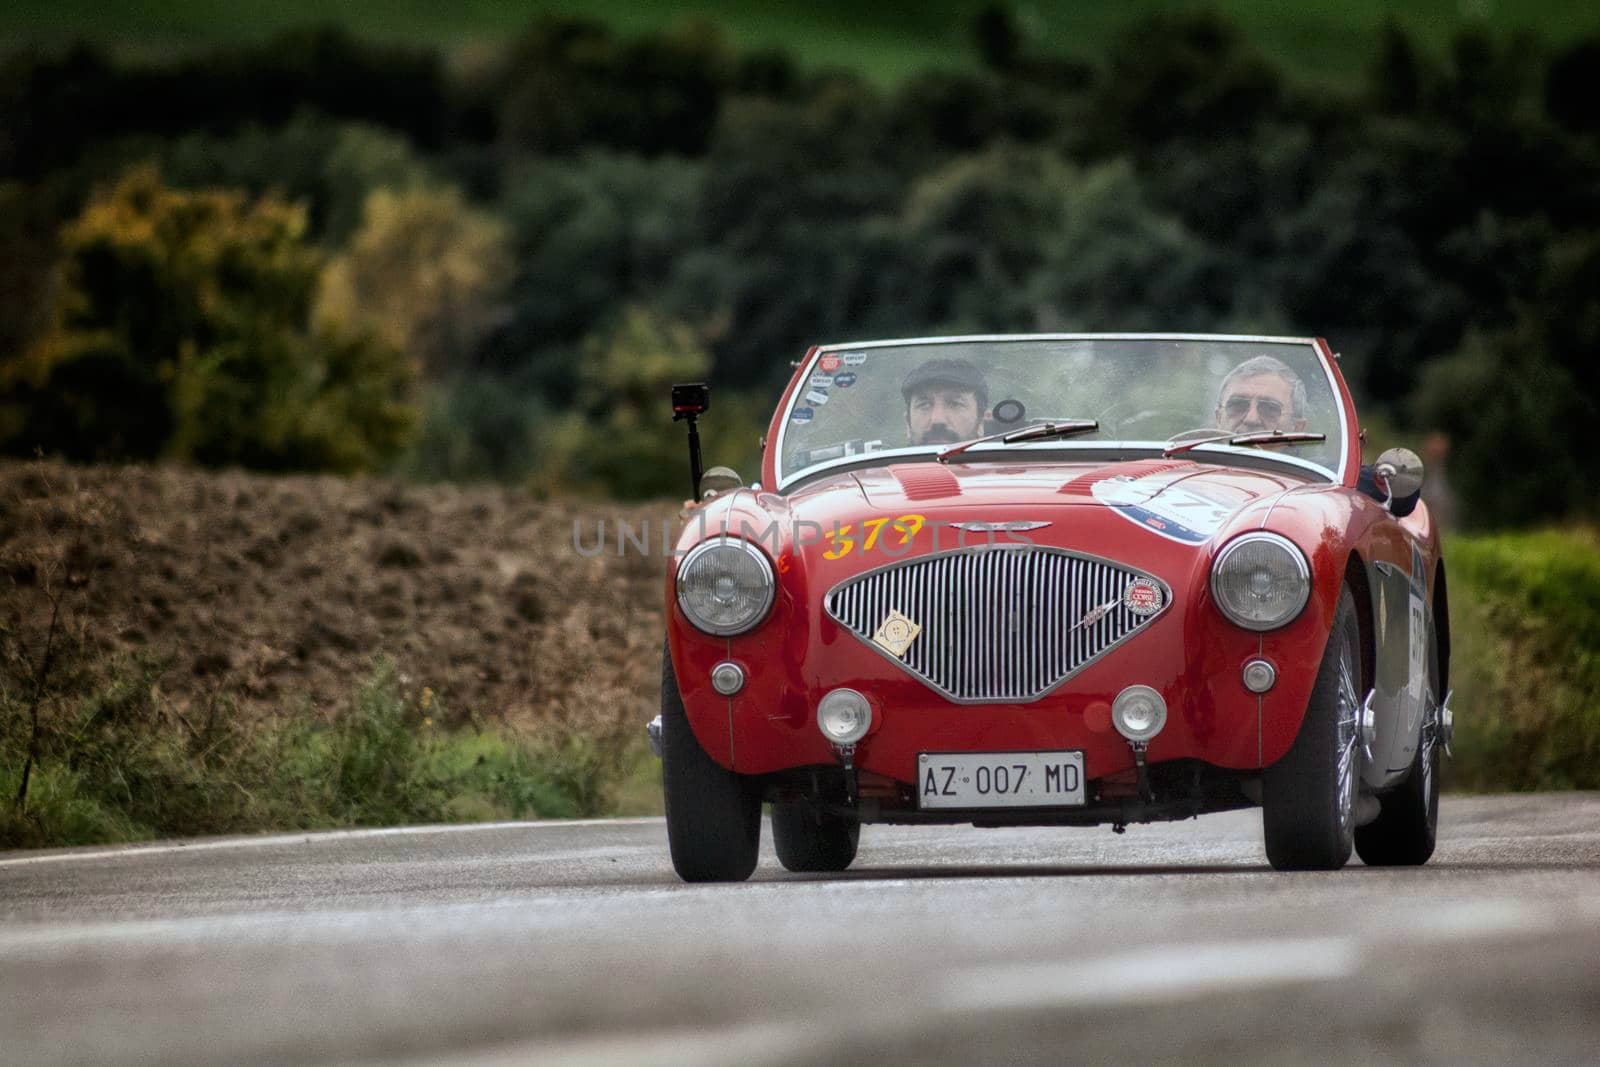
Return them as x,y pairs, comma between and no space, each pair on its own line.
1525,662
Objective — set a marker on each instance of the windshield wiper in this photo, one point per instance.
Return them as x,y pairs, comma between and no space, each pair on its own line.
1262,437
1041,432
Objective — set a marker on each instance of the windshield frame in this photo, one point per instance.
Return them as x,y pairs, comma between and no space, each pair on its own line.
784,480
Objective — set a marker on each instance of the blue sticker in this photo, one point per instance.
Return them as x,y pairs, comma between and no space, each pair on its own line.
801,414
1162,507
845,380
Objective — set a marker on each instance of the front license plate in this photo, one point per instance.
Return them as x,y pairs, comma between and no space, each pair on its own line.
999,779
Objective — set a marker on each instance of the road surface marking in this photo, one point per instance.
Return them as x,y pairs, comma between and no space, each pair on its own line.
317,836
1163,973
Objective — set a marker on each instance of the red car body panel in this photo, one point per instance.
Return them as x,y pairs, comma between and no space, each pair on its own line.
1191,653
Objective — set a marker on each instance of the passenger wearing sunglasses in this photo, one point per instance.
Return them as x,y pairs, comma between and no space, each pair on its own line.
1264,394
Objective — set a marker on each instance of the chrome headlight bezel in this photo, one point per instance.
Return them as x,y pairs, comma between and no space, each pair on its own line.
1298,571
726,544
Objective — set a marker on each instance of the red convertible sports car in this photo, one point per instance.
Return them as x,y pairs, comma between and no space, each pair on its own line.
1061,580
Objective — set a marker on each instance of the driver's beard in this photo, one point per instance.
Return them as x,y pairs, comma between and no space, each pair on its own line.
939,434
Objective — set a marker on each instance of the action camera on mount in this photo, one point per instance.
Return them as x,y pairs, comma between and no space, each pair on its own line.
690,401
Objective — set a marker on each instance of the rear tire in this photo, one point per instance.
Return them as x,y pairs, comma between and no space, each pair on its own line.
1309,796
809,839
1404,833
713,814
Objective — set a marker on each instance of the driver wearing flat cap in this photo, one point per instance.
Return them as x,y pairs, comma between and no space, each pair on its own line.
945,402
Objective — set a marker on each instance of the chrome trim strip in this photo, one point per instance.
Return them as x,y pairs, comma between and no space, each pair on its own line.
984,639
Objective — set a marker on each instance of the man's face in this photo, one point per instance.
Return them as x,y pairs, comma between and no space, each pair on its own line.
939,415
1255,405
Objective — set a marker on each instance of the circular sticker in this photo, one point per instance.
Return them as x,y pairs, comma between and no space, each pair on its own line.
1142,597
801,415
845,380
828,364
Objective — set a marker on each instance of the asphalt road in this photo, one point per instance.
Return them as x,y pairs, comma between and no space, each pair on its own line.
575,943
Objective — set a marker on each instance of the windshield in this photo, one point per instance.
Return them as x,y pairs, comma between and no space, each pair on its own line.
914,399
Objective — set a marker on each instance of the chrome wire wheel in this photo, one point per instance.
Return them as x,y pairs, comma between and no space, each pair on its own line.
1348,744
1430,745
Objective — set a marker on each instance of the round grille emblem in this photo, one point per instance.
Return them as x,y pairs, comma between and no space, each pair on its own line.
1142,597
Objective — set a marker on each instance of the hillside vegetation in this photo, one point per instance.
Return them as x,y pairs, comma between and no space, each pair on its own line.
889,42
191,652
332,249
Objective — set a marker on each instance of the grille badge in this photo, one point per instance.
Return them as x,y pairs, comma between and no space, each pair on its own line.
1094,615
896,633
1143,597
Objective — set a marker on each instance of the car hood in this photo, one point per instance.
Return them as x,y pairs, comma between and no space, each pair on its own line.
1089,506
1176,496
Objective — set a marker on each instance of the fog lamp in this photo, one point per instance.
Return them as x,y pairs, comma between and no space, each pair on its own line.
1138,713
844,716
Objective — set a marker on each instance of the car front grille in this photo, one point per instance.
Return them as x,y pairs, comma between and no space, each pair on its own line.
1001,623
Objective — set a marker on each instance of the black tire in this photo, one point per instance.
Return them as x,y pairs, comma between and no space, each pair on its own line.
1404,833
808,839
1308,805
713,815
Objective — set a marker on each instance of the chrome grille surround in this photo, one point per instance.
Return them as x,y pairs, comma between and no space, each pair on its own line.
999,622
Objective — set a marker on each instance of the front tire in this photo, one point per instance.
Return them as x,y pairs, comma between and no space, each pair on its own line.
809,839
1407,826
1309,796
713,815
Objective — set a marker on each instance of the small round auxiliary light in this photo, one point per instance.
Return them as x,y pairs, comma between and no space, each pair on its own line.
1138,713
844,716
1259,676
727,678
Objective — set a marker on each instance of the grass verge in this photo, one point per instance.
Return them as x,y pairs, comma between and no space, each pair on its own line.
121,764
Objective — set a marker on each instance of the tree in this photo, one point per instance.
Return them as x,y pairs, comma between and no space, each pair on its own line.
330,167
425,273
621,438
182,329
588,236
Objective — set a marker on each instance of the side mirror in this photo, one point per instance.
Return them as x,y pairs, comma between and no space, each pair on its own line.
718,480
1401,470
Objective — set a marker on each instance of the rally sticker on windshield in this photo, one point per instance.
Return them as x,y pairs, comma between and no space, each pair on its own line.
1162,508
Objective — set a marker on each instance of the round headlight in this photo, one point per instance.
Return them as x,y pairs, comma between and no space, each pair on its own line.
1138,713
844,716
1261,581
725,586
